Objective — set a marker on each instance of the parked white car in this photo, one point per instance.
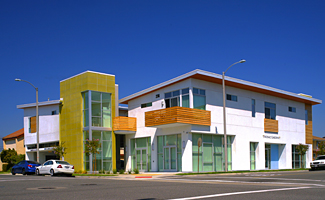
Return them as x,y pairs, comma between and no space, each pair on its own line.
319,162
54,167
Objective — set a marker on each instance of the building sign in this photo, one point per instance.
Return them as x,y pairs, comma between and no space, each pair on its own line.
271,137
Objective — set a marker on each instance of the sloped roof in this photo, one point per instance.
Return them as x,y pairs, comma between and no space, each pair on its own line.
229,81
318,138
15,134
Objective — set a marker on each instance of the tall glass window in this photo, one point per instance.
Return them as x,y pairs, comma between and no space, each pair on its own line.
141,154
297,159
253,108
100,108
210,156
102,160
185,98
199,100
170,152
253,146
270,110
306,117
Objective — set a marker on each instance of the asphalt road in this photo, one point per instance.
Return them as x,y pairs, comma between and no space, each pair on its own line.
270,185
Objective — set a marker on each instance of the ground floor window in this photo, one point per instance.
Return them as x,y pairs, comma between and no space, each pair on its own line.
103,160
252,147
209,156
298,161
141,154
170,152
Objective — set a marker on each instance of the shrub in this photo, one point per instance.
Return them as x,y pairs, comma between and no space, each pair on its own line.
102,171
121,171
108,172
114,171
129,172
136,171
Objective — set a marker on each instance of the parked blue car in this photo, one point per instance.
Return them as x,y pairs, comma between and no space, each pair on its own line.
25,167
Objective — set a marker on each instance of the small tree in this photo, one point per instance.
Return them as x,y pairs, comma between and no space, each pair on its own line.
60,150
321,148
11,157
91,147
302,149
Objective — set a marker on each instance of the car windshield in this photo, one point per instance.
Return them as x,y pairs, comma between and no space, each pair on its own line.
320,158
32,162
62,162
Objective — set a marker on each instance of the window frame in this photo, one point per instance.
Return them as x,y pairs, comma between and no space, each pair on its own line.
292,109
199,93
232,97
270,109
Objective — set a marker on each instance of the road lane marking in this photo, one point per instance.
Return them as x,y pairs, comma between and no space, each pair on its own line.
246,182
236,193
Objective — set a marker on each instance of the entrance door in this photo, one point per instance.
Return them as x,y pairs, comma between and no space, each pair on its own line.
267,156
170,158
141,157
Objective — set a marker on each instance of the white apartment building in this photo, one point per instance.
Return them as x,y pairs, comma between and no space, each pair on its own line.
49,129
264,125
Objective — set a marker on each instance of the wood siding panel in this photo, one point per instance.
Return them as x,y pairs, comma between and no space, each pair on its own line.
124,123
33,124
271,125
309,126
177,115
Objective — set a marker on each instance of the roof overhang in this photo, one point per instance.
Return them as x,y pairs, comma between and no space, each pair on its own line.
44,103
229,81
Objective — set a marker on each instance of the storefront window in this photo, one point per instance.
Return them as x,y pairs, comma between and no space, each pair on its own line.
141,154
209,157
170,152
253,146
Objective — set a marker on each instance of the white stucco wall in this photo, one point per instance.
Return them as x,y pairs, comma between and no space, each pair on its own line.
49,125
240,124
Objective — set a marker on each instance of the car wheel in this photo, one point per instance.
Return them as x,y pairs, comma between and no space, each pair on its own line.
13,172
52,172
37,173
23,172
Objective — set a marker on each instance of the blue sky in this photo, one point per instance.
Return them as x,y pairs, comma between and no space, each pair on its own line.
147,42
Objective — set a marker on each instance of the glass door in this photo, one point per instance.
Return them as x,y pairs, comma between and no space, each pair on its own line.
141,158
170,158
267,156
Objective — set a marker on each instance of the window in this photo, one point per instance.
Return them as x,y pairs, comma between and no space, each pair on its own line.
231,97
270,110
253,108
185,98
292,109
306,117
102,160
175,98
253,146
99,109
298,161
172,99
210,155
199,100
54,112
144,105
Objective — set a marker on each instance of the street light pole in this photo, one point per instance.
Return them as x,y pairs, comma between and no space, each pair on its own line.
224,114
37,118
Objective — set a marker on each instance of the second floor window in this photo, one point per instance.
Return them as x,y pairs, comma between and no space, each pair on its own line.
253,108
270,110
199,100
97,109
178,98
172,99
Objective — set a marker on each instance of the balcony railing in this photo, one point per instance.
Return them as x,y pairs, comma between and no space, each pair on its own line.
177,115
271,125
124,124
